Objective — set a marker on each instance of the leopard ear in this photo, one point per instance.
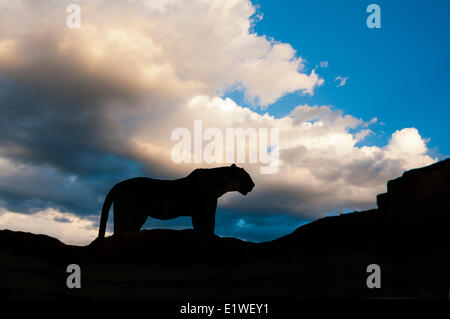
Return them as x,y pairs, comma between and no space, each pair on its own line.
233,165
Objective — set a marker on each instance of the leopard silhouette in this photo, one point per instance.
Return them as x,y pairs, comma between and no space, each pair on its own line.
194,195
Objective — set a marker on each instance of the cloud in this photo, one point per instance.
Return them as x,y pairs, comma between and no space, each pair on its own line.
246,226
67,227
361,135
324,64
342,80
168,49
81,109
321,168
372,121
406,144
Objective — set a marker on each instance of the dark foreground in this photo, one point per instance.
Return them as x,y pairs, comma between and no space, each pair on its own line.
407,236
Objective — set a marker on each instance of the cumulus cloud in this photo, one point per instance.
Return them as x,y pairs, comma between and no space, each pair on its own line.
82,109
170,49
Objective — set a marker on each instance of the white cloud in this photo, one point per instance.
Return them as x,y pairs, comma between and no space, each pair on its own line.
68,228
407,145
342,80
172,48
361,135
372,121
322,169
324,64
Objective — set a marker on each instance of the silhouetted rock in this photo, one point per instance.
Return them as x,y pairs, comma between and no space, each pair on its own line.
325,258
422,192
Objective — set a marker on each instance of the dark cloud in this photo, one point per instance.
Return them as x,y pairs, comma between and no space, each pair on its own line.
41,129
244,225
61,149
62,219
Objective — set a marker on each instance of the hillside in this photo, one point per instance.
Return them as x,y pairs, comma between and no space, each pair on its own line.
407,236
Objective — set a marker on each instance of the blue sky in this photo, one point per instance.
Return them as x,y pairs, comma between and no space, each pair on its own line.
398,73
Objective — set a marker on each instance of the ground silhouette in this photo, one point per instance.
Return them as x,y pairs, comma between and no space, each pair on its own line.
407,236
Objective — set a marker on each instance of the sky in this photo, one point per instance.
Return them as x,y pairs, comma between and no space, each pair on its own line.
84,108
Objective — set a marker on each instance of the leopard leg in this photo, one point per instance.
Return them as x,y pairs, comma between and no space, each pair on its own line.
117,218
124,221
204,220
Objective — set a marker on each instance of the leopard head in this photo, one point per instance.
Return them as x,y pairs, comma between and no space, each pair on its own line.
240,180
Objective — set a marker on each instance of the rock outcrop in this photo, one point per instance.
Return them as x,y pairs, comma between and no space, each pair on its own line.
418,193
